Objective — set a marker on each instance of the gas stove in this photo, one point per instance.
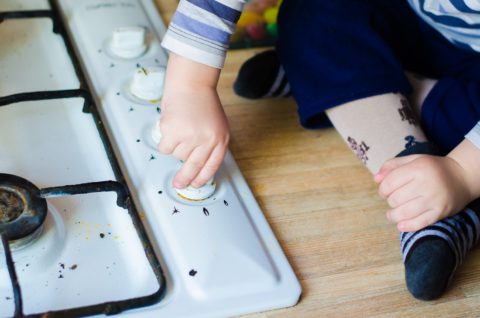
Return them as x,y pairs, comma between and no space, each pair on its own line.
89,221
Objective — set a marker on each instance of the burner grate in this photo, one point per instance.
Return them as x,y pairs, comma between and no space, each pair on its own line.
17,294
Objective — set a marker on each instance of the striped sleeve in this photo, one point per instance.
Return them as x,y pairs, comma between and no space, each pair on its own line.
456,20
200,29
474,135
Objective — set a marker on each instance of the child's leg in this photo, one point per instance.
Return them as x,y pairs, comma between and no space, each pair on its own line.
450,108
422,86
377,128
336,62
340,59
432,255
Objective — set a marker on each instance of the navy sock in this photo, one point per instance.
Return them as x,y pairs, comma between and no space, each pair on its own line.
262,76
432,255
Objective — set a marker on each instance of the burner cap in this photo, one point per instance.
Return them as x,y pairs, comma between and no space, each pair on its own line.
22,209
11,206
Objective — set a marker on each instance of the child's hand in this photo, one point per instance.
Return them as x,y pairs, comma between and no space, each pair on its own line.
193,124
422,189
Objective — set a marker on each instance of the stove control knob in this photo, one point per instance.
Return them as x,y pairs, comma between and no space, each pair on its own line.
156,134
128,42
197,194
147,83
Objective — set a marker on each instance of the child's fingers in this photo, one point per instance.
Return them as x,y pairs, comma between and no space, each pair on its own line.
407,211
191,167
398,161
423,220
392,164
403,194
183,151
167,145
395,180
211,166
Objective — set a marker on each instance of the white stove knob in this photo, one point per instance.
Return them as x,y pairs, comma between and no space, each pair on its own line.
198,194
128,42
147,83
156,134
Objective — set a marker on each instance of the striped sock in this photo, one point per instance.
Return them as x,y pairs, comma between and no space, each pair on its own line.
433,254
262,76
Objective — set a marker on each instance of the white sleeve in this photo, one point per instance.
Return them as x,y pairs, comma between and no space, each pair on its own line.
474,135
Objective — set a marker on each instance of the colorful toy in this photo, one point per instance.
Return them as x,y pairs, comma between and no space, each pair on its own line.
257,25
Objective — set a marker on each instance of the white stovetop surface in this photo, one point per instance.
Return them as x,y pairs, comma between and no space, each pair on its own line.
53,143
13,5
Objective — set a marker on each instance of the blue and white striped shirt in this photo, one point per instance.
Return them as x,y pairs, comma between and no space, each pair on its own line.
456,20
200,29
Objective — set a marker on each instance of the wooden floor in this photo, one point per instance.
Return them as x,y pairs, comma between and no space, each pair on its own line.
323,207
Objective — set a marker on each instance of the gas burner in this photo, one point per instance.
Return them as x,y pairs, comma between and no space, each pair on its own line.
22,208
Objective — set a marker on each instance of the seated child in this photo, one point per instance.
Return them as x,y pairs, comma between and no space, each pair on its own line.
345,63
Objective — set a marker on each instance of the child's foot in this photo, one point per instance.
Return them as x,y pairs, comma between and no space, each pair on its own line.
262,76
433,254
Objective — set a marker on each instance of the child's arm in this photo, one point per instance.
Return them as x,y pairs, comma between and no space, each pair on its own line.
423,189
193,124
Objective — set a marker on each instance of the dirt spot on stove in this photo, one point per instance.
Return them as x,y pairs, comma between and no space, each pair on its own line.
63,267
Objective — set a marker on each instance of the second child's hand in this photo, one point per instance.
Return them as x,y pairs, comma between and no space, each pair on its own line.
422,190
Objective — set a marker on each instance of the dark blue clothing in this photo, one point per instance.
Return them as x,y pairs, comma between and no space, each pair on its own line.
338,51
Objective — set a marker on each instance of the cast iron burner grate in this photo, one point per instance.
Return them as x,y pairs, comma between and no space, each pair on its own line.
23,206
